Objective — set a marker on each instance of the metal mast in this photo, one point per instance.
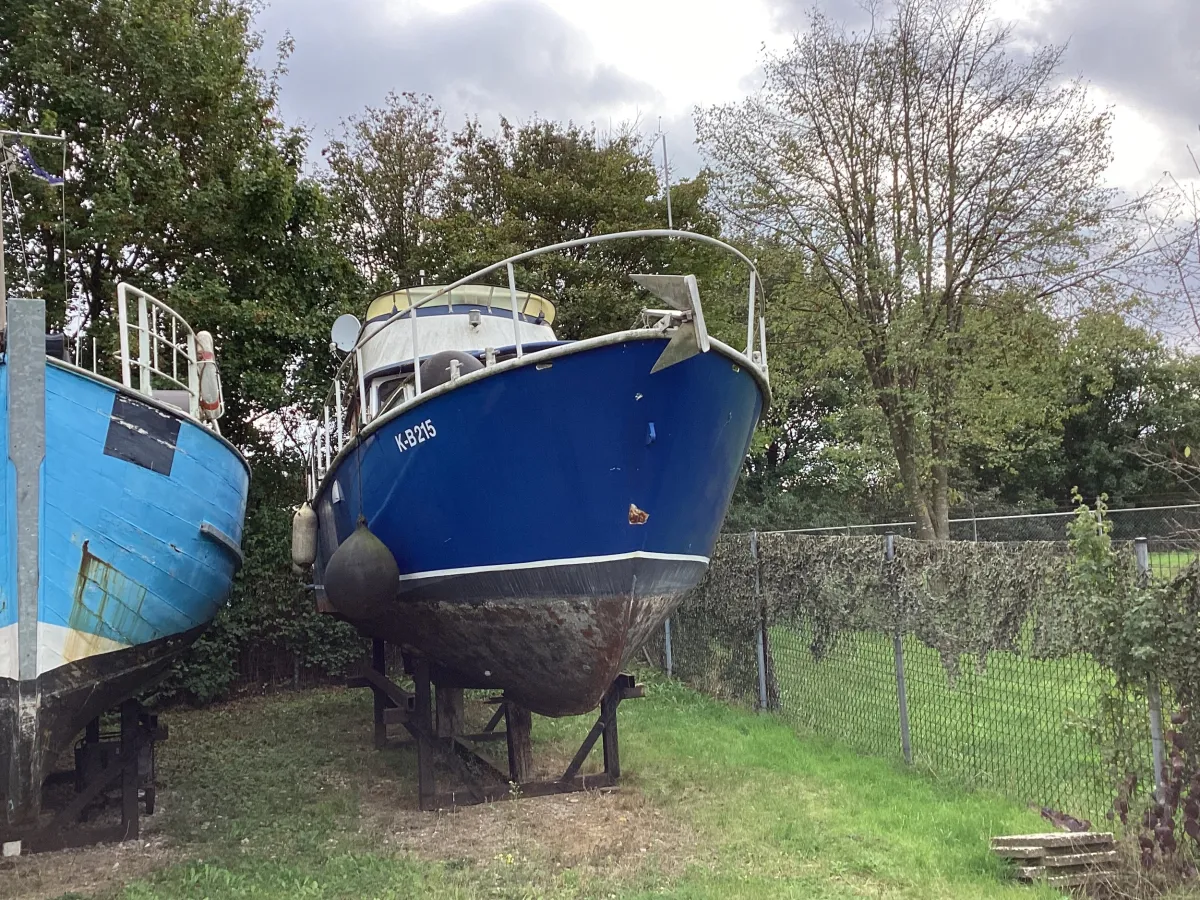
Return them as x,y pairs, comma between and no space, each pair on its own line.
666,175
5,164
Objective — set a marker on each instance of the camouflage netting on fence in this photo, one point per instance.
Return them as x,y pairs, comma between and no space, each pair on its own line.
713,634
983,644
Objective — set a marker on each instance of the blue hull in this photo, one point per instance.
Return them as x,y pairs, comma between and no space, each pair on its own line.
547,518
141,513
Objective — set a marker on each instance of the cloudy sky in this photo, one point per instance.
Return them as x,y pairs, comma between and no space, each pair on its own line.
611,62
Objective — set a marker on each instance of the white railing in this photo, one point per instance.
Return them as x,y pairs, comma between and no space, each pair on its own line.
335,428
169,357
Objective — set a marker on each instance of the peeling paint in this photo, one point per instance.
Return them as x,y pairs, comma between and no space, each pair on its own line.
107,606
637,516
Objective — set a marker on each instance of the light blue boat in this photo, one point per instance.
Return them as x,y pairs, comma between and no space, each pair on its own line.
121,512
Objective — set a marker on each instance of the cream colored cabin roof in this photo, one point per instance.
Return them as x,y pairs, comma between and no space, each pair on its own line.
472,294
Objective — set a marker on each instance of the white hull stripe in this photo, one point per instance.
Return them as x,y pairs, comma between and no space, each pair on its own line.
8,651
57,646
555,563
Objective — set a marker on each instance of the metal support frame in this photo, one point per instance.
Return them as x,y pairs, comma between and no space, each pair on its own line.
483,780
1141,552
889,555
103,762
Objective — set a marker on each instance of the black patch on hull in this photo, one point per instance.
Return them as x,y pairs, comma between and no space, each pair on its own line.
142,434
68,698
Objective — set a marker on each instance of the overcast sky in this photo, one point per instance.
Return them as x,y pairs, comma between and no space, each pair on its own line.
610,62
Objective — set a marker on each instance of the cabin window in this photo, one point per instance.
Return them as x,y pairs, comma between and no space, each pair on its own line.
389,392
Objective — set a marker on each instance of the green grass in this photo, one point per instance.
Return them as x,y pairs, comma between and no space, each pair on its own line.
1166,564
281,797
1011,725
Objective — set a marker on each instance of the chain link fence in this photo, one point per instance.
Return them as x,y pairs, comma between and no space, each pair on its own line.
963,658
1171,531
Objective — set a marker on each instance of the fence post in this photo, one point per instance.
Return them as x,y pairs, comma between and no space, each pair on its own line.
889,554
667,647
761,648
1153,696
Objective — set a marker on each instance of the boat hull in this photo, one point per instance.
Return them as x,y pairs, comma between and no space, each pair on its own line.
140,516
546,519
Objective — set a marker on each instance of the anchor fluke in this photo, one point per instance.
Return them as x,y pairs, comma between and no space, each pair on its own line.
691,335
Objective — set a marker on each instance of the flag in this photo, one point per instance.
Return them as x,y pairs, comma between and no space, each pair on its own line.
17,156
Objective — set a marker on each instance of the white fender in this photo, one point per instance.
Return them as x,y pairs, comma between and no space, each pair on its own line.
304,536
212,405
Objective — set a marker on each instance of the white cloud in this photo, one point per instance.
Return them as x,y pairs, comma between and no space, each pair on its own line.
615,61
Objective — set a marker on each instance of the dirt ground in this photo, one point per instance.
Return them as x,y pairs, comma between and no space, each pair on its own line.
87,871
612,832
617,830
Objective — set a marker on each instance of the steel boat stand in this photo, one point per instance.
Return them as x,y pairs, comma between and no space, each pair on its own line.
438,736
122,759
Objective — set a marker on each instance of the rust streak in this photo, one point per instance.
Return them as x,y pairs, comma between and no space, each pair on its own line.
102,596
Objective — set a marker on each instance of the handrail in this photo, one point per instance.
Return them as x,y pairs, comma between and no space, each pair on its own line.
161,331
353,359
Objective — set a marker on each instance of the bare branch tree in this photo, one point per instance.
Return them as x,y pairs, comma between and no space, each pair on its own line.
926,167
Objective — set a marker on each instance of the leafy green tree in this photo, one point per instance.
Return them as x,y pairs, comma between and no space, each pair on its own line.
181,180
544,183
386,174
1132,400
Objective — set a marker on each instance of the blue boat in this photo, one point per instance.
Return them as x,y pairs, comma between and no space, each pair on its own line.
121,512
541,505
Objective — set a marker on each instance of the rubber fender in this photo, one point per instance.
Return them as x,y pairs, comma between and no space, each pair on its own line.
304,537
362,578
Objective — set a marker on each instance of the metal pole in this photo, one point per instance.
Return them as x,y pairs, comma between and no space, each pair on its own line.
3,289
1154,701
8,132
512,298
412,314
762,340
666,177
750,320
363,419
337,394
761,648
667,648
1141,552
26,454
889,554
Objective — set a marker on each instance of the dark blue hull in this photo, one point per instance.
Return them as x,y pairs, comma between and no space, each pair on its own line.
547,518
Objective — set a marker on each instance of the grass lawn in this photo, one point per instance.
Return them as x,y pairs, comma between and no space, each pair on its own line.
1010,725
1166,564
283,797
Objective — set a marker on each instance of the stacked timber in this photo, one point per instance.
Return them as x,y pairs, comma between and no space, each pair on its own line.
1061,860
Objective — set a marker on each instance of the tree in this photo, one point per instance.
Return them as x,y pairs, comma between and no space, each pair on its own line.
1133,401
182,181
386,175
926,171
544,183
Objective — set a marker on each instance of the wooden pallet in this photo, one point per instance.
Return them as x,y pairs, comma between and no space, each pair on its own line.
1071,859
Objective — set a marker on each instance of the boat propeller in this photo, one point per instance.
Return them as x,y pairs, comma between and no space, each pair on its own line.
682,295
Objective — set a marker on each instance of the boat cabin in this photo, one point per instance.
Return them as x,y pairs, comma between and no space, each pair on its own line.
474,319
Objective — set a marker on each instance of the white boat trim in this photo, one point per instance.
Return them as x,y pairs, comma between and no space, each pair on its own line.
554,563
60,646
8,652
57,646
